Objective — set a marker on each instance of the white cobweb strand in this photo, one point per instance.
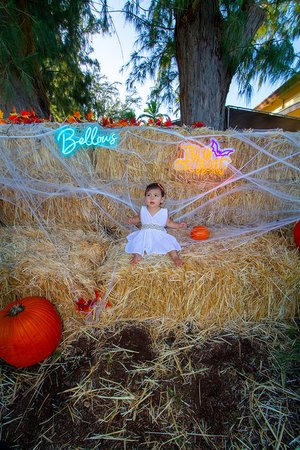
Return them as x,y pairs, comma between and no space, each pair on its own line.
24,179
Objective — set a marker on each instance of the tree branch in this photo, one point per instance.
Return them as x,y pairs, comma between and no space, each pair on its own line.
255,18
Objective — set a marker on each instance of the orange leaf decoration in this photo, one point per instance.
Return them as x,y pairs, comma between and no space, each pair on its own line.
89,117
86,306
25,113
168,123
77,115
13,115
71,119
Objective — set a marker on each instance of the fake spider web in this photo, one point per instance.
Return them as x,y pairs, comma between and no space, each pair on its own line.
99,187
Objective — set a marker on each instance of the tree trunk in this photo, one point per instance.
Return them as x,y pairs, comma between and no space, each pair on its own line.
20,98
204,68
26,88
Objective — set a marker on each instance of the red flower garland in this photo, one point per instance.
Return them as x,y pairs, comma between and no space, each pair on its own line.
27,117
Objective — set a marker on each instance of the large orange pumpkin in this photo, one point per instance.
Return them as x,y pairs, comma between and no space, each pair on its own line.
297,234
200,232
30,331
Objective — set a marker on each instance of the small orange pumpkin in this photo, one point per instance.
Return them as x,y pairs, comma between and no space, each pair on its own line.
200,233
30,331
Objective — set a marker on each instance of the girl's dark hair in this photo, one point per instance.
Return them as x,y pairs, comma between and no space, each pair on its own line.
155,186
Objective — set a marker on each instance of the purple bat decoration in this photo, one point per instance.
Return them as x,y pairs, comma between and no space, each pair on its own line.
217,151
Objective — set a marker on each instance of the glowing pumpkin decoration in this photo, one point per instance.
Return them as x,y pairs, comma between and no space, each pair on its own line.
297,234
200,233
30,331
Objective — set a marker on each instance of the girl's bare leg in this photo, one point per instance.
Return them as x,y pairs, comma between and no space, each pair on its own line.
175,258
136,258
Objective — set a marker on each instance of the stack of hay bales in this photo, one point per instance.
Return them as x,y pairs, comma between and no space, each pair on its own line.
64,235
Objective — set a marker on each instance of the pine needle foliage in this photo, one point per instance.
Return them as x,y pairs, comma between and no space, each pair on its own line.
268,55
45,47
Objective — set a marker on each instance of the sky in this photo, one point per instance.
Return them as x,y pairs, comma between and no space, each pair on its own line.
114,51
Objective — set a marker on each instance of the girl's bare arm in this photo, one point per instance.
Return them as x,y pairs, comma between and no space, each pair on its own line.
176,225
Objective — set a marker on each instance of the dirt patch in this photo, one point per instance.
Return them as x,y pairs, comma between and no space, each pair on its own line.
118,389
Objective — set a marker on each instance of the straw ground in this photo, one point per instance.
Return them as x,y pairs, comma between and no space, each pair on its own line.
138,385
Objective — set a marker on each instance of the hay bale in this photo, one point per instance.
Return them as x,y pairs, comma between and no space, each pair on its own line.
61,267
253,282
206,203
150,153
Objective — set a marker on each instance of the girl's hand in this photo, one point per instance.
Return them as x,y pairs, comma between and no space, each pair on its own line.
133,220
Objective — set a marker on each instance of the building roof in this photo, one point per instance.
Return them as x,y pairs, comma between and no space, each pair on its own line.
291,82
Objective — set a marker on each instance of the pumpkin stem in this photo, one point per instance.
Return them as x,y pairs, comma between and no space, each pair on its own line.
15,310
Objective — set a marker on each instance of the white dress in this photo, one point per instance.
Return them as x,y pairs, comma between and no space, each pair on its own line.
152,237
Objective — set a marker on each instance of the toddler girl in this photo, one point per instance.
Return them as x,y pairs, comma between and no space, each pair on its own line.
153,237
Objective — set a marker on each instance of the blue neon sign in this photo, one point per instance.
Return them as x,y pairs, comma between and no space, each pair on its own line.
70,139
